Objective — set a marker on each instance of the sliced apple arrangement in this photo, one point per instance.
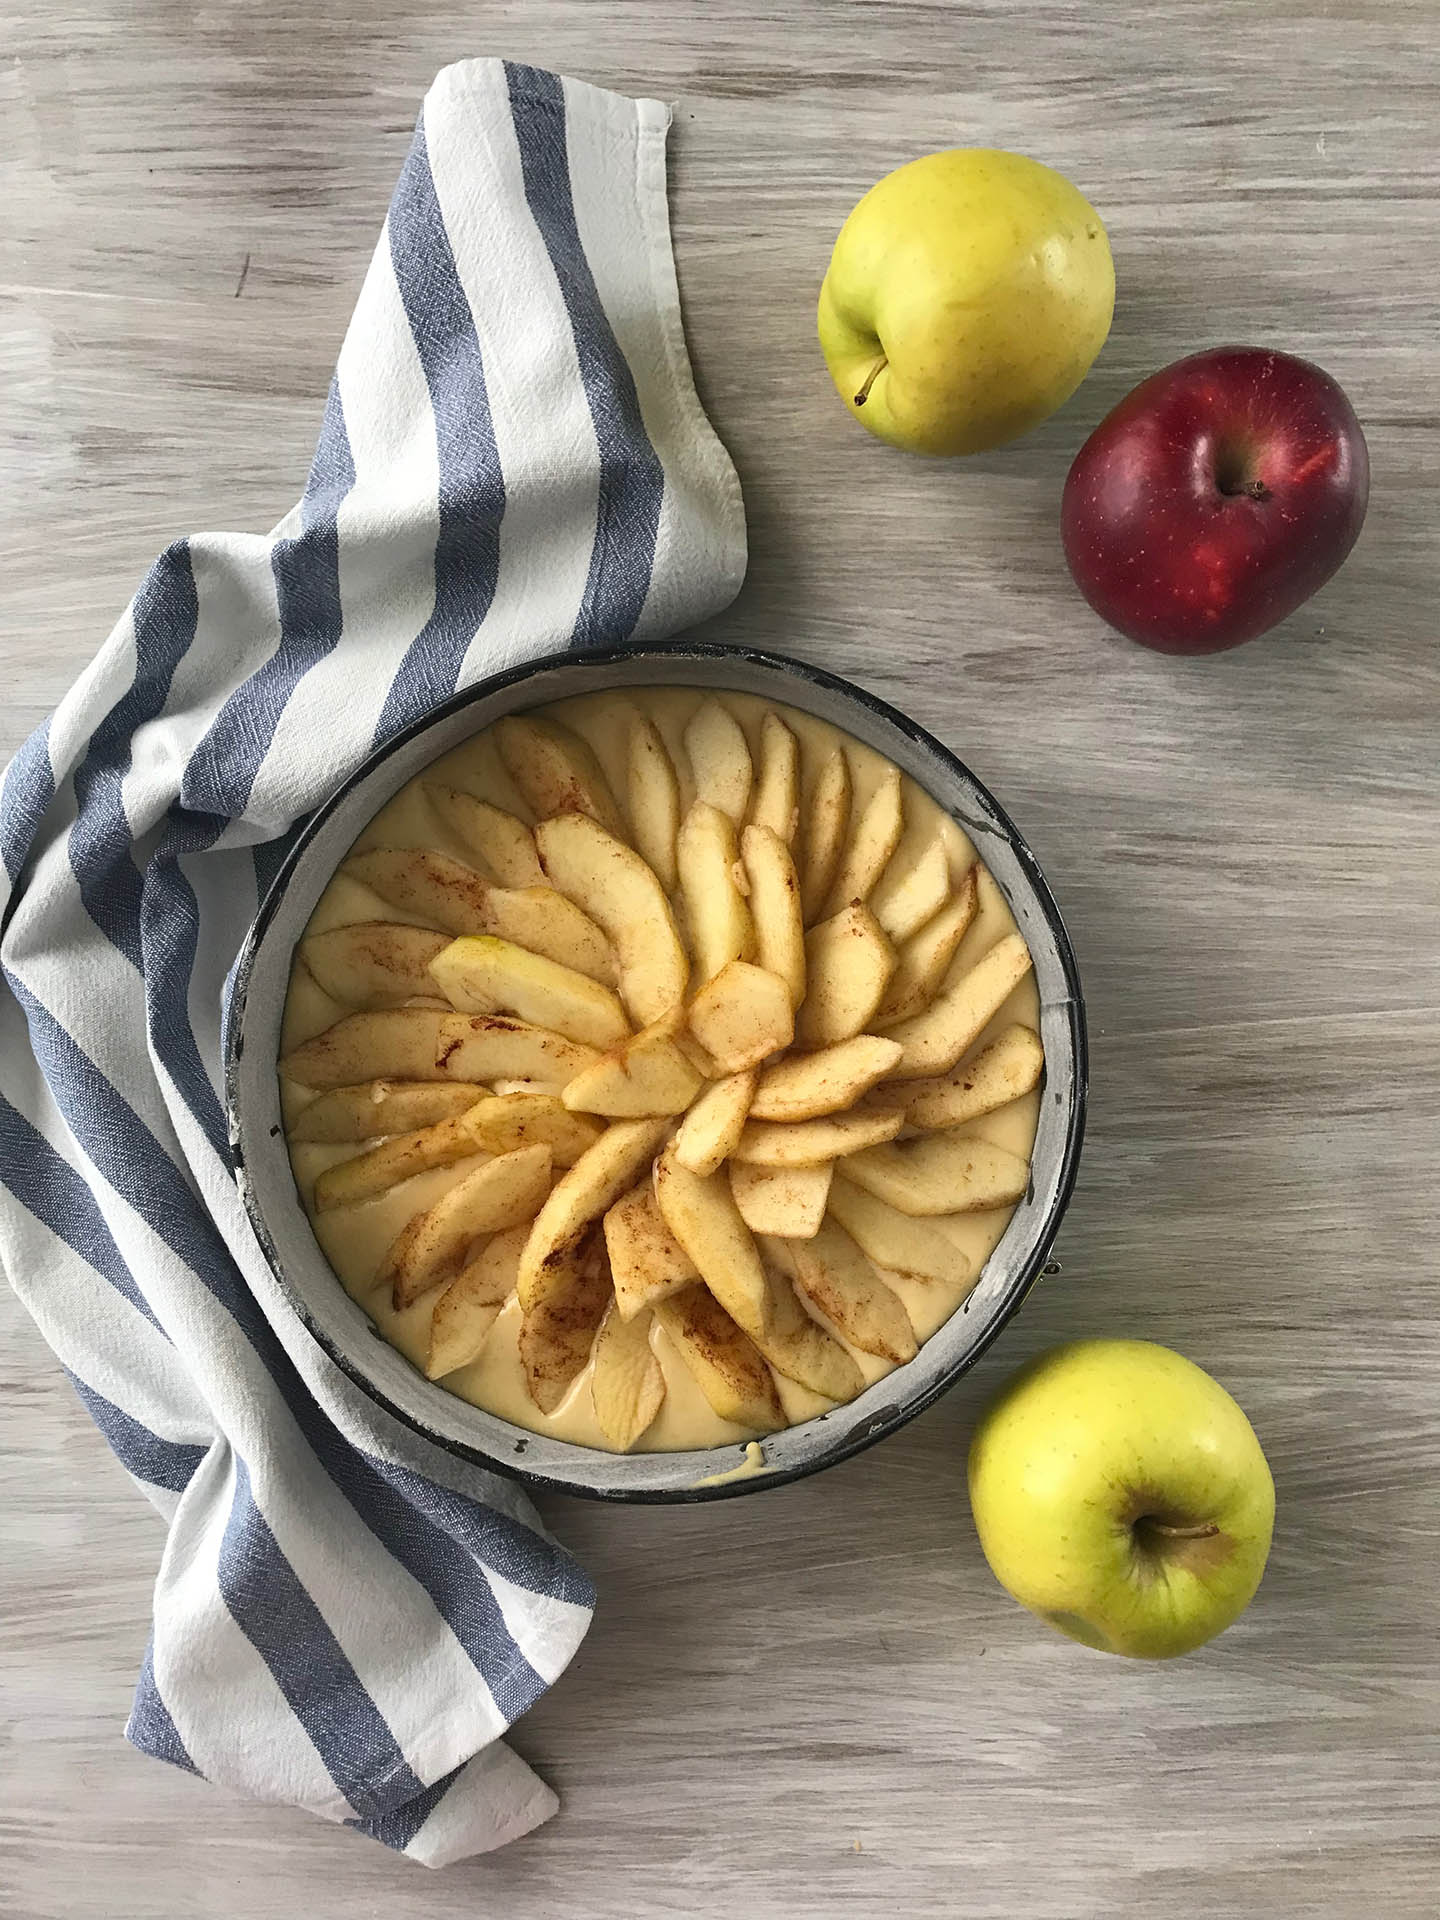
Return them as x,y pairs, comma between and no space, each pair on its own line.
710,1069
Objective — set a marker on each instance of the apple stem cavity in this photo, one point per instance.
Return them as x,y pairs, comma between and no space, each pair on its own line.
1164,1545
1205,1530
1231,478
879,367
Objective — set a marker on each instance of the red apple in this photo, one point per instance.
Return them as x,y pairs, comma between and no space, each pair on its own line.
1215,498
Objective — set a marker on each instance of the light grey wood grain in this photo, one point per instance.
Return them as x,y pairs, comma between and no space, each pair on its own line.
818,1700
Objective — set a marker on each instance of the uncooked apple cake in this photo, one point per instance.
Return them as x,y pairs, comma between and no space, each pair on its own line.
660,1069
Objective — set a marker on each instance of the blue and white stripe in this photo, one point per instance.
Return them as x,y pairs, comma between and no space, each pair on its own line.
512,460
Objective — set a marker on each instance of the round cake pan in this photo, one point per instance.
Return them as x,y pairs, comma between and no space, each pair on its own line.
342,1327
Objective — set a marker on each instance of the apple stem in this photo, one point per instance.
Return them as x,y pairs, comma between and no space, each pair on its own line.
879,367
1205,1530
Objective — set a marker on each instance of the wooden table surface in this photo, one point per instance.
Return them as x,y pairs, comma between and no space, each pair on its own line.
818,1700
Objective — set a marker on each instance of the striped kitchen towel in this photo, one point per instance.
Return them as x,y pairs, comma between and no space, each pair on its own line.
512,459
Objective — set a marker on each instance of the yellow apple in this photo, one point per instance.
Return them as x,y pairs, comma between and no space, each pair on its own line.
967,295
1121,1494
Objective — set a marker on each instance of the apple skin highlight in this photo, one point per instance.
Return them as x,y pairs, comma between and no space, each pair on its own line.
1121,1494
1215,499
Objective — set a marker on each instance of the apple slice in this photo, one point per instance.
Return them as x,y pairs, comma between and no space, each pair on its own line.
614,884
499,1194
701,1213
789,1201
872,840
1009,1067
558,1332
461,901
941,1173
555,771
493,1271
837,1279
480,973
644,1076
465,1312
726,1365
418,880
654,795
503,1122
848,964
807,1143
721,929
401,1043
378,1107
776,802
373,963
493,1047
553,928
504,846
823,828
692,1049
925,957
903,902
349,1182
459,1328
710,1131
719,759
802,1350
898,1241
627,1382
808,1085
646,1259
742,1016
580,1196
775,907
933,1041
